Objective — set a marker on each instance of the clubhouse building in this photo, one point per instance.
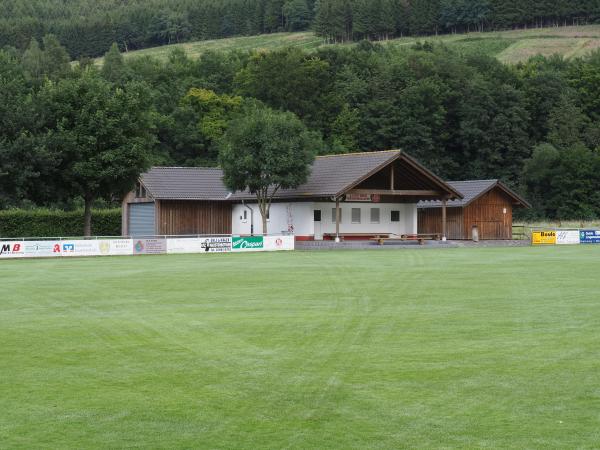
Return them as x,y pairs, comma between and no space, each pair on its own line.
351,196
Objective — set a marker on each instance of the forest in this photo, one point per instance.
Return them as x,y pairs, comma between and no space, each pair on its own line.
88,27
75,134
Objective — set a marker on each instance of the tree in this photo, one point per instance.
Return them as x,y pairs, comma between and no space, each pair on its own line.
113,67
264,151
102,133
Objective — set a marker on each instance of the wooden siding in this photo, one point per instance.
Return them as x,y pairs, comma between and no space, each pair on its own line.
430,221
487,213
193,217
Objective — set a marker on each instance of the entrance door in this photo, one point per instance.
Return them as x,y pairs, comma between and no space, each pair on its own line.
318,229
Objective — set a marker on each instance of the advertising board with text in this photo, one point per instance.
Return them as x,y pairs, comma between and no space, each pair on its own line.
543,238
11,249
589,236
199,245
567,237
248,244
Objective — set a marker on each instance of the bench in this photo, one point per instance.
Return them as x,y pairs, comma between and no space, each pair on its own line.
421,238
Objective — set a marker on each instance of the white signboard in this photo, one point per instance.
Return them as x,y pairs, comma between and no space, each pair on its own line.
567,237
11,249
275,243
199,245
80,248
42,249
110,247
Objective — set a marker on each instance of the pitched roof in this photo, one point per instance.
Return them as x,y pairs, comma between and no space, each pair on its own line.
472,190
330,176
185,183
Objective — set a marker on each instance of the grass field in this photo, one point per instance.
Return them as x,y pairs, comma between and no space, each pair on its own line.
508,46
419,348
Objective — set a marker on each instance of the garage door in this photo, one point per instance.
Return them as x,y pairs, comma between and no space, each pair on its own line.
141,219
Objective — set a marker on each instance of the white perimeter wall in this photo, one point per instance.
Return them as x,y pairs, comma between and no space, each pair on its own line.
298,217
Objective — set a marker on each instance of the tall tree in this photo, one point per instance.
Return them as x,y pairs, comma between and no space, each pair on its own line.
265,151
103,135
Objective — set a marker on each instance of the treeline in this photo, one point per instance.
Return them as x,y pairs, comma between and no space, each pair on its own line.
345,20
74,135
89,27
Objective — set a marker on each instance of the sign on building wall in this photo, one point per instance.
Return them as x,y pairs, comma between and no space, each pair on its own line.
543,237
567,237
248,244
589,236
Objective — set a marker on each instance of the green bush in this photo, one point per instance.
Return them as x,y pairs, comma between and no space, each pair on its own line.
53,223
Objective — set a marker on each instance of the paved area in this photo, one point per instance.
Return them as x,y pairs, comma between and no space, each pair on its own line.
367,245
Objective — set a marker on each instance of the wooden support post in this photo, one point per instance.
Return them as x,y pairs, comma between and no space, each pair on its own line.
337,220
444,221
392,177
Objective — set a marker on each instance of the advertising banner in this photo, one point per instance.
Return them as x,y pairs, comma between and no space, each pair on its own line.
80,248
11,249
543,237
110,247
149,246
248,244
567,237
199,245
589,236
275,243
42,249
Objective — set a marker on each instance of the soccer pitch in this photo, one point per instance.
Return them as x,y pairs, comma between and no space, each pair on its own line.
452,348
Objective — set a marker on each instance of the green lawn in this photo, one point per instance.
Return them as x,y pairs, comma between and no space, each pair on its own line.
508,46
451,348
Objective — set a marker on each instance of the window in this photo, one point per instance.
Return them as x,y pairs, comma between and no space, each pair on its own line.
355,215
375,213
245,219
317,215
140,191
333,215
395,216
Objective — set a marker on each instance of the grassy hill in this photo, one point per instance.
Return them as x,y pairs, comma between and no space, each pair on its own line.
508,46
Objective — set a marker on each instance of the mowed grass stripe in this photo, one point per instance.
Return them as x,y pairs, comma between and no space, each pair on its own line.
455,348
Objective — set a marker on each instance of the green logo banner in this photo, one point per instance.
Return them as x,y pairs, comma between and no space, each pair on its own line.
248,243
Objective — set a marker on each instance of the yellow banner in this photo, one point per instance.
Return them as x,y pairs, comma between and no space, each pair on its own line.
543,238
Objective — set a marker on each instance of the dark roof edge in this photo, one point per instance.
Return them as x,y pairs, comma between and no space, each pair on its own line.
432,175
508,191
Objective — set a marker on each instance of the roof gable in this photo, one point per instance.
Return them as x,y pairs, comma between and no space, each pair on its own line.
473,190
330,176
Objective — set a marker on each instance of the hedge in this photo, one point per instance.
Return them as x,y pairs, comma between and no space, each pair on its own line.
54,223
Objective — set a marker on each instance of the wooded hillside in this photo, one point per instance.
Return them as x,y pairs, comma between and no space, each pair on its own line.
89,27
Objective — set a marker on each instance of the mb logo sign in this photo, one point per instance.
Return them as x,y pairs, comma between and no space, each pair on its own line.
11,248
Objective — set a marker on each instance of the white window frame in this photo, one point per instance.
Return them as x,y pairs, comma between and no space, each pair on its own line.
378,215
359,215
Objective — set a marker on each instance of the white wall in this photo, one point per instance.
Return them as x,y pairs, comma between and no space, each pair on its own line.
284,217
300,216
407,224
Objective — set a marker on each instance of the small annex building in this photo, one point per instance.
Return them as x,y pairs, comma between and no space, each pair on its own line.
371,193
486,204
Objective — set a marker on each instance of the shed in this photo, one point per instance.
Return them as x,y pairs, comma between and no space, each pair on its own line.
486,204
